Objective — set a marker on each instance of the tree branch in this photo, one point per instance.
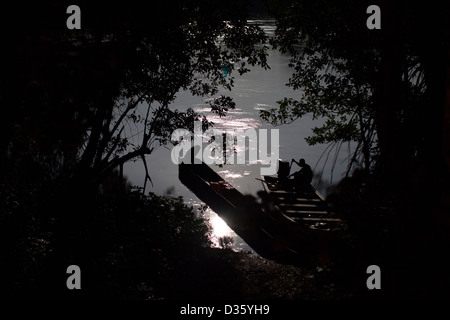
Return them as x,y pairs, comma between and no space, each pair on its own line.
147,176
122,116
114,146
143,150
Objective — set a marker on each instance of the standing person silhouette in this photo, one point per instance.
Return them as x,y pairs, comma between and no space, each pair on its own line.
303,177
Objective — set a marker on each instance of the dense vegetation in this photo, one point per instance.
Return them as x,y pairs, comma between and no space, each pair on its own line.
73,99
127,249
385,90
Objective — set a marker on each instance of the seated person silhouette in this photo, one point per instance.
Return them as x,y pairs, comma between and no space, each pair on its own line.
303,177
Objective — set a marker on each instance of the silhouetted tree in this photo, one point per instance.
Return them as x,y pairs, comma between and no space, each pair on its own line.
74,92
385,89
374,87
72,101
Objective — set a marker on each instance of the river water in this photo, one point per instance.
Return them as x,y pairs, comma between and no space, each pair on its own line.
252,92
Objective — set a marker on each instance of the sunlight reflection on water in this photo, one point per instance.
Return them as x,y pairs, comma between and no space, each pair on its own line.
220,228
229,174
235,119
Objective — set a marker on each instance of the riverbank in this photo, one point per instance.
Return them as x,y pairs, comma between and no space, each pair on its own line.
223,274
148,247
142,248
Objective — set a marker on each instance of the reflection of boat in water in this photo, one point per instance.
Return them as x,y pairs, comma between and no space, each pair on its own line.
285,226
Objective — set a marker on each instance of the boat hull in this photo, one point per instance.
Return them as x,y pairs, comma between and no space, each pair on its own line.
271,230
240,212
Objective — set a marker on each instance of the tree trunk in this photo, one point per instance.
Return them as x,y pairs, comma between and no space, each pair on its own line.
387,95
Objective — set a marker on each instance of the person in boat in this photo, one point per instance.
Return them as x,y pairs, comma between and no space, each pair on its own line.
303,177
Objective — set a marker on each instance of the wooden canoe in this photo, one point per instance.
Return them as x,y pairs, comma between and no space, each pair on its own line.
308,208
240,212
310,226
282,225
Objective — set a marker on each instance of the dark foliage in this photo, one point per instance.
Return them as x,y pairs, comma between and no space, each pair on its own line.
385,90
127,249
68,98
